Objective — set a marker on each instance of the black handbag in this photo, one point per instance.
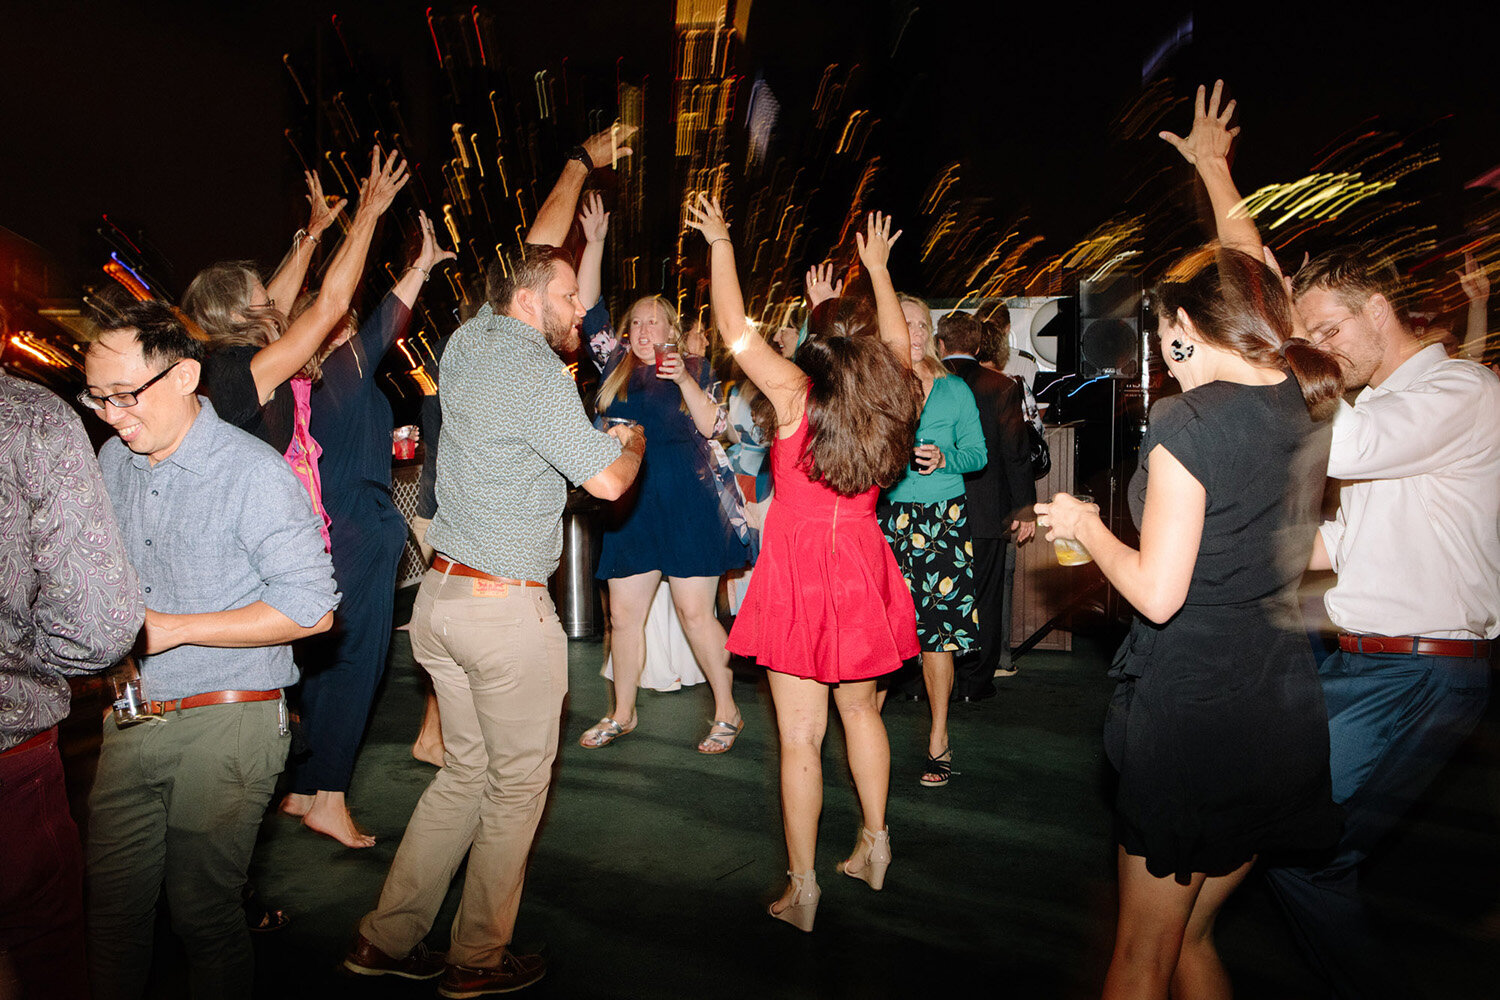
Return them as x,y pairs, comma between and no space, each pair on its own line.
1041,455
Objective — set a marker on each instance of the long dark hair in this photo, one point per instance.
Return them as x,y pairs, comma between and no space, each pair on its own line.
863,404
1239,304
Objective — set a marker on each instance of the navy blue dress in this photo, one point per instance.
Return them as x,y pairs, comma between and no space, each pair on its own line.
670,521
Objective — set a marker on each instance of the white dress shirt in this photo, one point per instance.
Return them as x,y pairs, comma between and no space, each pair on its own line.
1416,543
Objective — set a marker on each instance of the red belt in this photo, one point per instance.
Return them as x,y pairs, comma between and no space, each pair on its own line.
443,565
209,698
1475,648
39,740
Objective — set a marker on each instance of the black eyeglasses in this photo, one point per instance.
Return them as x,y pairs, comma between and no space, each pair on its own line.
122,399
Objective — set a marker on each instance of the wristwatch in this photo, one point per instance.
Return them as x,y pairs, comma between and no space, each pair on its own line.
582,156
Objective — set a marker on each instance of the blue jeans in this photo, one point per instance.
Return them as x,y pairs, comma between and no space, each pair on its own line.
1394,719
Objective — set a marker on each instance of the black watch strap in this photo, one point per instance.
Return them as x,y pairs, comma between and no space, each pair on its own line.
582,156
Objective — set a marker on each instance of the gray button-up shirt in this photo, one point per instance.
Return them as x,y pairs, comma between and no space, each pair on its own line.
71,601
513,430
219,524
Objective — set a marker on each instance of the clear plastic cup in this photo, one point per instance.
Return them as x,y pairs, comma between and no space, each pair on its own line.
130,705
1068,551
664,351
918,443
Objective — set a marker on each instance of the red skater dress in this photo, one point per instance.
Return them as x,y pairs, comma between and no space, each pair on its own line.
827,600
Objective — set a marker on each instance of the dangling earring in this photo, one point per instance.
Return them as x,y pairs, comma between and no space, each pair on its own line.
1181,352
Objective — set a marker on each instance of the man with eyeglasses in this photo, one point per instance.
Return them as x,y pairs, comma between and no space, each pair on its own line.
232,569
1416,546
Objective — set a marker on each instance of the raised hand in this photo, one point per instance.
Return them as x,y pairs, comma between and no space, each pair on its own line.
820,284
430,255
876,241
1473,279
706,217
594,219
320,213
377,191
1211,135
604,148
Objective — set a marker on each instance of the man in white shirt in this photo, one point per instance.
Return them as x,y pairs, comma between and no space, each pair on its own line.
1416,546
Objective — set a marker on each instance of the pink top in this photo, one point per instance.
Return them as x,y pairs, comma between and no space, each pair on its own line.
303,453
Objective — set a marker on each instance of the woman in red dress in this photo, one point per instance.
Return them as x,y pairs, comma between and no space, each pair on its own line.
828,607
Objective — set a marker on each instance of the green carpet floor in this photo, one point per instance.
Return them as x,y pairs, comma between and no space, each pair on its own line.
654,863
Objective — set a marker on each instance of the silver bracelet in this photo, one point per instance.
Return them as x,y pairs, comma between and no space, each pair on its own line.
425,273
719,239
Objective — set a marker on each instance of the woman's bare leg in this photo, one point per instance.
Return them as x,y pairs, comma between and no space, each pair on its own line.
1200,973
869,749
801,720
630,600
1148,933
694,597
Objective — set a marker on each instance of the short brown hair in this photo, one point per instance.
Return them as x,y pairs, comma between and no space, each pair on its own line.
960,332
994,341
1238,304
1354,273
530,267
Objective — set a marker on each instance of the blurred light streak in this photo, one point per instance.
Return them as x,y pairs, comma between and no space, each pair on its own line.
127,280
432,30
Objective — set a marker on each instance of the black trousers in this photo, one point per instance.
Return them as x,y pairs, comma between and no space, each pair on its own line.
994,579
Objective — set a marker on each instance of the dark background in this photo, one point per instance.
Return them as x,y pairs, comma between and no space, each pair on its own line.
173,119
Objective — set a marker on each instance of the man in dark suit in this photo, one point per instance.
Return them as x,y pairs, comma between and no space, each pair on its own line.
994,496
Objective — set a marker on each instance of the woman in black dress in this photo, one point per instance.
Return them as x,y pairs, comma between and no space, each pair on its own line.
1217,726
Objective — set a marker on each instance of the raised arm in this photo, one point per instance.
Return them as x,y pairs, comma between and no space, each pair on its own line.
1476,285
282,358
782,382
420,269
286,283
555,217
1207,149
820,285
875,254
595,222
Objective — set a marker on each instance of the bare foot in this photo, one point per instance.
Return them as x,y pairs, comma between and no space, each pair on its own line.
429,745
428,751
296,804
330,817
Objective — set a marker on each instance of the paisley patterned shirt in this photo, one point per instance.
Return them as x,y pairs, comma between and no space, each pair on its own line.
72,602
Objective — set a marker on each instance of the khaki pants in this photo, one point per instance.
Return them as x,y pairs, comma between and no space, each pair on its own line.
499,665
175,808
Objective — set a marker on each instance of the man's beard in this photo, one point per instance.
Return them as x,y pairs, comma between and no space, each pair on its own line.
558,329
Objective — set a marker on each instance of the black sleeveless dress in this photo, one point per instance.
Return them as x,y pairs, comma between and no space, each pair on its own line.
1217,726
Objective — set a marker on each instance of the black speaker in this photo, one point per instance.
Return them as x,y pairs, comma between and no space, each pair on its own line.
1109,327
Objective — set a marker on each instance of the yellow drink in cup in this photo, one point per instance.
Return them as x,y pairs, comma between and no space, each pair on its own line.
1069,552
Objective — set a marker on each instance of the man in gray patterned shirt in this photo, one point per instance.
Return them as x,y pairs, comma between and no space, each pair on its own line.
71,606
232,567
484,626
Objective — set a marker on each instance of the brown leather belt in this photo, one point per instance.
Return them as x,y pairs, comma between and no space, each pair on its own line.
443,565
208,698
39,740
1351,643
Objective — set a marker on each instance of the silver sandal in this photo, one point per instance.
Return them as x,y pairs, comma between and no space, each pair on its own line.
721,736
605,733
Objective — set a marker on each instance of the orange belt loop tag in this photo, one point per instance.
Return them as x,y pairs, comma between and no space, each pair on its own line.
490,588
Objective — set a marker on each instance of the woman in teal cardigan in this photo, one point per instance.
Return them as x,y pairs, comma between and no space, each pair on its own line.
925,522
